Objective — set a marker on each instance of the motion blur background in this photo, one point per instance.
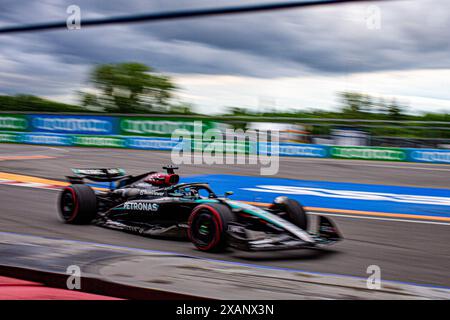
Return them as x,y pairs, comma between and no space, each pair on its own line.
366,81
311,69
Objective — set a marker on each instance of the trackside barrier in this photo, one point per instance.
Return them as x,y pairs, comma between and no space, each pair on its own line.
369,153
429,155
285,149
154,134
99,125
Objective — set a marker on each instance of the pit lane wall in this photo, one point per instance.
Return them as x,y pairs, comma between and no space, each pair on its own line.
154,134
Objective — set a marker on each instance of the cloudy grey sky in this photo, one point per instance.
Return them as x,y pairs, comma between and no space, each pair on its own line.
286,59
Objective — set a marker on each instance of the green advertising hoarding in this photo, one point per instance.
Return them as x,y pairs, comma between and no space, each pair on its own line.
368,153
12,122
98,141
161,127
237,147
9,137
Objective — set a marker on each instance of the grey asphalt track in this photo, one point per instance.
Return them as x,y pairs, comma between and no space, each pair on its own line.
405,251
136,161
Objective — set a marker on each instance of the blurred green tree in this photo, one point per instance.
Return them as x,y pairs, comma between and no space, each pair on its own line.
395,110
354,103
129,87
25,102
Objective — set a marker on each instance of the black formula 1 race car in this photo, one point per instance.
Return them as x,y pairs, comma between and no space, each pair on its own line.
155,204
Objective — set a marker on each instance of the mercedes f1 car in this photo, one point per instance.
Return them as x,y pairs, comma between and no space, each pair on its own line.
156,204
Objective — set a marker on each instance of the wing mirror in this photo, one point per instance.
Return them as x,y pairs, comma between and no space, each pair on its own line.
228,193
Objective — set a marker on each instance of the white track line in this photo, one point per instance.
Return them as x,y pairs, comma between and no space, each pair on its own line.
406,165
378,218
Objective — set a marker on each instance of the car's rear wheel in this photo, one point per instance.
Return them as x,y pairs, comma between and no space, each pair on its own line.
208,224
78,204
295,212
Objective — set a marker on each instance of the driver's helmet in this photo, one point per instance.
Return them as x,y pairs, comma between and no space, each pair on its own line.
162,179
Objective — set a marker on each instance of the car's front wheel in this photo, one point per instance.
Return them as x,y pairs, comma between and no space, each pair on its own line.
293,210
208,225
78,204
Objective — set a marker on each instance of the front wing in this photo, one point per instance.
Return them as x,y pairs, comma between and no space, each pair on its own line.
243,239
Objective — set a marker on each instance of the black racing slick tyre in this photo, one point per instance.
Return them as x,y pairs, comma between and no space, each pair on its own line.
208,225
295,212
78,204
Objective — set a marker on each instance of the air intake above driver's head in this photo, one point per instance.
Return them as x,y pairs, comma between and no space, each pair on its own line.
162,179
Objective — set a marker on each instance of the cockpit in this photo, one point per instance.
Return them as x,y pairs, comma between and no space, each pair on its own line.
195,191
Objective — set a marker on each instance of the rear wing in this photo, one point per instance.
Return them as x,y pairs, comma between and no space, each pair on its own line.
97,174
111,175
